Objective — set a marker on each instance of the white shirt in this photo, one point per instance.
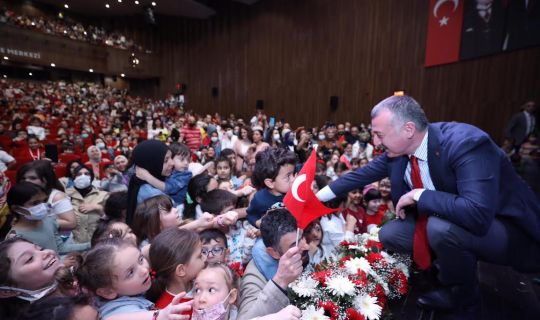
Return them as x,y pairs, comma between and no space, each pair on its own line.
421,154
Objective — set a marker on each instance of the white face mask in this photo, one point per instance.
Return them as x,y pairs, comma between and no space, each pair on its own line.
101,145
276,136
82,182
229,133
32,295
214,139
215,312
321,137
37,212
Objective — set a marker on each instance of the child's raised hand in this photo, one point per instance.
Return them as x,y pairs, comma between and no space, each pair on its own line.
253,233
175,309
229,218
142,173
206,221
247,190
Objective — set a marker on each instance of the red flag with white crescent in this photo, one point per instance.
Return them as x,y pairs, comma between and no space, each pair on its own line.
300,199
443,41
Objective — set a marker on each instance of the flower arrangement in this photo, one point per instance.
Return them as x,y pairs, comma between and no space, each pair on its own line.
355,284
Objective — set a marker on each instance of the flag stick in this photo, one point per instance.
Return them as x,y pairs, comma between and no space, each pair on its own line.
297,236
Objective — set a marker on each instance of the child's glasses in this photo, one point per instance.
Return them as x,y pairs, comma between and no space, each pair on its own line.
215,251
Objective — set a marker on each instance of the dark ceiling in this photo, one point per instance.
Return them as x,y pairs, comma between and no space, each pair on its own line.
181,8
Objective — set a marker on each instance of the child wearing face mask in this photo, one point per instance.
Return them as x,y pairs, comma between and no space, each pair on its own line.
32,219
176,184
118,275
215,292
176,259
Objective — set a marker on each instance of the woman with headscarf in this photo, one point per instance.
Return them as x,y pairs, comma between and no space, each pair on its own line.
155,157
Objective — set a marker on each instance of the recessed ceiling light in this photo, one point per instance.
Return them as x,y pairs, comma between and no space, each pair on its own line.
5,76
91,70
153,4
107,6
119,1
53,65
6,58
66,6
30,73
136,2
122,75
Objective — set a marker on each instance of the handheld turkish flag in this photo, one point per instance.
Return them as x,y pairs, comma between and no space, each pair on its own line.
300,199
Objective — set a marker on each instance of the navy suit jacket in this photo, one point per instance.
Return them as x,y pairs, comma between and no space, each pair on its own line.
474,181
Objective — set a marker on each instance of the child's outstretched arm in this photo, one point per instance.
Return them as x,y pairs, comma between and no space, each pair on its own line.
143,174
171,312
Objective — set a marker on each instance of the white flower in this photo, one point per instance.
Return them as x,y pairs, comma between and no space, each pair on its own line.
340,286
305,287
368,307
357,247
404,269
312,313
353,265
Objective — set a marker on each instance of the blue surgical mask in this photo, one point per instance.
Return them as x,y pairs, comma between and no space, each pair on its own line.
37,212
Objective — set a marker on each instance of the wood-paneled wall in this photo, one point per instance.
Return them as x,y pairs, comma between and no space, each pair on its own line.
294,55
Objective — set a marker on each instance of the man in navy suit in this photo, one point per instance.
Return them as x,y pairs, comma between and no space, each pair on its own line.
473,204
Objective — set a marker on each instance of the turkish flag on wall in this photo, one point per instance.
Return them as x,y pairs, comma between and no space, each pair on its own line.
445,20
300,199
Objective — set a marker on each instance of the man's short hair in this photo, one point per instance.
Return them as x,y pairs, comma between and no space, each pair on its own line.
275,224
403,109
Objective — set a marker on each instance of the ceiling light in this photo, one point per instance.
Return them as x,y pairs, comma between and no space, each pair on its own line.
66,6
30,73
85,33
122,75
5,76
53,65
33,23
91,70
107,6
153,4
136,2
65,31
6,58
119,1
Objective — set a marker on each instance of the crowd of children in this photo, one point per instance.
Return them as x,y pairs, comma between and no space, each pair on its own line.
160,230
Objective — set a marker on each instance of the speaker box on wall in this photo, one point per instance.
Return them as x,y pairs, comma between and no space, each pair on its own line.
260,104
334,102
215,92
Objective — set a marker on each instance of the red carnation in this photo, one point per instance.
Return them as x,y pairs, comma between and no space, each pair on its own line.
354,315
372,243
321,276
360,279
381,296
398,280
373,258
330,308
346,244
237,267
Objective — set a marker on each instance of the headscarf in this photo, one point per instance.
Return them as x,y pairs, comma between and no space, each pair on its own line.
149,155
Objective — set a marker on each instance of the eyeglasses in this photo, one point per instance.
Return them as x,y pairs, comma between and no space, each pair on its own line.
215,251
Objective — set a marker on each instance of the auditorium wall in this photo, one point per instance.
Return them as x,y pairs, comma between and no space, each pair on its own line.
294,55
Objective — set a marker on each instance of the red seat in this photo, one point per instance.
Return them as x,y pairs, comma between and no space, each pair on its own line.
60,170
11,175
67,157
